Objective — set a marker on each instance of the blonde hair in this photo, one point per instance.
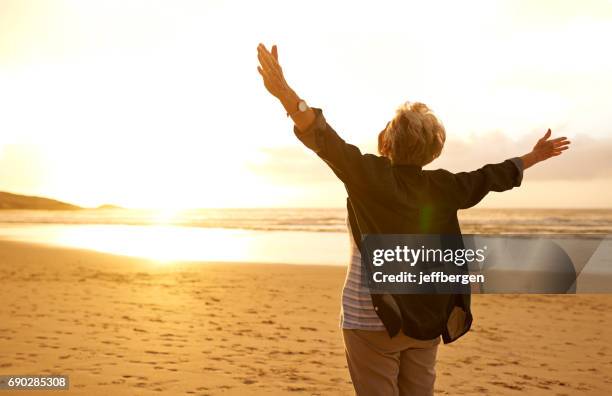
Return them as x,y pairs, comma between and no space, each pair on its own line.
414,136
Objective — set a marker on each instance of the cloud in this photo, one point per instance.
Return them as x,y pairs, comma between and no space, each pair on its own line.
588,159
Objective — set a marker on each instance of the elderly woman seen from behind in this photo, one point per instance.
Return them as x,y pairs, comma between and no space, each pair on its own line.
391,340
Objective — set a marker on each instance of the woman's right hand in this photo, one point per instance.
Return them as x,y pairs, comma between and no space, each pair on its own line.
271,71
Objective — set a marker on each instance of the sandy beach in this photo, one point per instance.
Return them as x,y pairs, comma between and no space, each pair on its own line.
125,326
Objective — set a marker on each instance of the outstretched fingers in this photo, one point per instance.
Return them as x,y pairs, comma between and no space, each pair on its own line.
556,153
263,58
269,64
275,52
560,149
558,141
562,143
559,145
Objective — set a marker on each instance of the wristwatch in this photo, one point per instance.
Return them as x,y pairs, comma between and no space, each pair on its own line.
301,107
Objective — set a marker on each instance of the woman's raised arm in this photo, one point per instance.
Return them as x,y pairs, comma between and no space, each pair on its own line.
275,83
352,167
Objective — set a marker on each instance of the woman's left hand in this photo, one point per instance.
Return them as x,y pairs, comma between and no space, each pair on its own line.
544,149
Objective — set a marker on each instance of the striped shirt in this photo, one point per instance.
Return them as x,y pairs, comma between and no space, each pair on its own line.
357,310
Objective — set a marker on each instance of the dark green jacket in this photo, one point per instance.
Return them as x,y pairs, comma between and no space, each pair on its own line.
404,199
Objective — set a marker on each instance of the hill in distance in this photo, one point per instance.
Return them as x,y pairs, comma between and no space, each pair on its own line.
16,201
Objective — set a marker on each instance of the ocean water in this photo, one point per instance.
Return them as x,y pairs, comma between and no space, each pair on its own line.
296,236
548,221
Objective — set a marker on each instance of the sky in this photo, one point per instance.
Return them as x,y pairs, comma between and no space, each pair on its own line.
159,103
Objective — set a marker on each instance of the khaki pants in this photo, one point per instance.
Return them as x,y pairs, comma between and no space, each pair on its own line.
380,365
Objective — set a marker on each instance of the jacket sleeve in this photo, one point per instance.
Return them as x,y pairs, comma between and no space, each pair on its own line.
471,187
346,160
